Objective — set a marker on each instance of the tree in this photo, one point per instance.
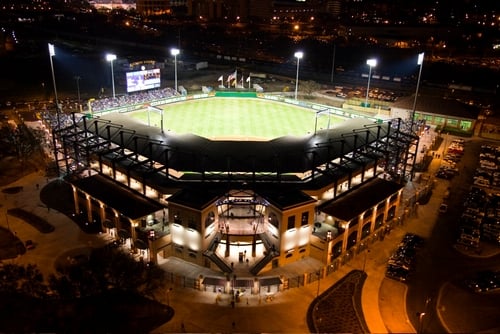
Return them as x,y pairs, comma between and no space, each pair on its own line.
107,269
309,87
26,280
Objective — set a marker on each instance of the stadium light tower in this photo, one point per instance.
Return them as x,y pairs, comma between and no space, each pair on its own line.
112,57
371,63
52,53
174,52
420,61
298,55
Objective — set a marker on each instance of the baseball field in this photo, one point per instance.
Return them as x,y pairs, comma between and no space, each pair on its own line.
237,118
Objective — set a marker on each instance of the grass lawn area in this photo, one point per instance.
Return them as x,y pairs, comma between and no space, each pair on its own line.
224,118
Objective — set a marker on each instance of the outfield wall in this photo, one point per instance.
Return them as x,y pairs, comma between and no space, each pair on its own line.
235,94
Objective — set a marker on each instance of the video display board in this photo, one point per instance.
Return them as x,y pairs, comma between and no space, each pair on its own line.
143,80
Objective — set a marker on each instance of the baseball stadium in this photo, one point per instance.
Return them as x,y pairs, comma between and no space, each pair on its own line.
234,180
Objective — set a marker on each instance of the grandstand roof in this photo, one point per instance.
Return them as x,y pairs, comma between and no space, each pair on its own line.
117,196
359,200
188,152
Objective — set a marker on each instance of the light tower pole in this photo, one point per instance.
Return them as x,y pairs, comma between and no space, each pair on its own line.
420,61
371,63
298,55
52,53
112,57
174,52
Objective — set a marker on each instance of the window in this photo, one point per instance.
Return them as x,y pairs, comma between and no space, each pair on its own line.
273,220
379,221
192,224
210,219
291,222
177,219
368,213
452,122
305,218
439,120
393,198
465,125
428,118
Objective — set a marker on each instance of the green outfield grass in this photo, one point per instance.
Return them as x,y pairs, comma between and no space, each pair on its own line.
237,118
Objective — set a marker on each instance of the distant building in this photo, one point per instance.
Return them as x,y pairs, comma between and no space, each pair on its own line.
235,10
439,112
113,4
153,7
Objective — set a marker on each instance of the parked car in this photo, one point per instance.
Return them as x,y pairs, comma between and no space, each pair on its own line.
397,273
29,244
445,174
484,281
443,208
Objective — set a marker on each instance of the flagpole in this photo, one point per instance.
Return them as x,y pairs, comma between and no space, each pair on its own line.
236,79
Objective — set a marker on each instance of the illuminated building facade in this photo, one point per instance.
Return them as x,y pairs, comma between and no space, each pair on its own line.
324,196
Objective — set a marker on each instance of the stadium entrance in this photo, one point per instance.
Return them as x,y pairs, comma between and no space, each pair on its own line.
241,213
241,241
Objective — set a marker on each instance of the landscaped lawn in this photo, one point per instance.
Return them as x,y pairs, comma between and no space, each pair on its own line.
227,118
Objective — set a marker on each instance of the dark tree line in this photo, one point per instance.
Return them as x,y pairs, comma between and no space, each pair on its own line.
105,269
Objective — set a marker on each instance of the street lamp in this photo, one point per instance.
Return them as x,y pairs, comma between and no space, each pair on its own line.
174,52
420,321
298,55
168,296
52,53
420,61
111,57
371,63
77,78
364,260
319,278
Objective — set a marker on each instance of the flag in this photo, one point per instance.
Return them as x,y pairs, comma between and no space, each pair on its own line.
248,79
241,81
231,76
221,78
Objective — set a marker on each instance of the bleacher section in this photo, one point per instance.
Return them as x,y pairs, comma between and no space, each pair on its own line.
130,101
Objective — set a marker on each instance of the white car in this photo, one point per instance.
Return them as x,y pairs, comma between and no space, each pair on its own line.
443,208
